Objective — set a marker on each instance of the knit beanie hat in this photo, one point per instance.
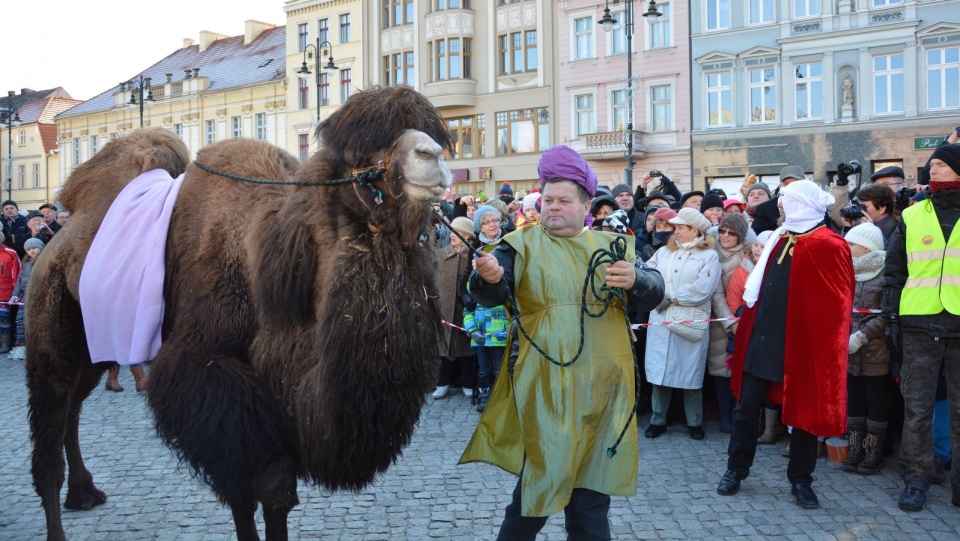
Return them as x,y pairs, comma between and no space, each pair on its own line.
618,222
688,216
764,236
734,202
479,214
601,200
32,243
688,195
666,214
506,189
530,201
710,201
10,202
737,223
464,226
619,189
867,235
759,186
948,154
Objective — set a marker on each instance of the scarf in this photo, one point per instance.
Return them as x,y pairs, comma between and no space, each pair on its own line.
869,265
804,205
944,186
687,246
483,238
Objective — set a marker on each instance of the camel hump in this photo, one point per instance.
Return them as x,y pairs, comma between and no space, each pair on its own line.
104,175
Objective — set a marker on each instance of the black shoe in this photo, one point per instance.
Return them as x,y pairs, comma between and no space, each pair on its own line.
730,483
912,499
805,496
655,431
697,433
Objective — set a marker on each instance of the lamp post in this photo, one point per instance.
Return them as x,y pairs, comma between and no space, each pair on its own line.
607,21
320,49
11,118
137,97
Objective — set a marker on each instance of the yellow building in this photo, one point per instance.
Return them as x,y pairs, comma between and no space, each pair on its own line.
220,87
28,145
334,28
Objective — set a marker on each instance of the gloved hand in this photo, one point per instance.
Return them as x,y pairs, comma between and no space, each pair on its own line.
665,303
857,341
478,337
892,336
468,302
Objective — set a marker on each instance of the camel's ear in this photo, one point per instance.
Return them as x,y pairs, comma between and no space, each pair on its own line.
286,271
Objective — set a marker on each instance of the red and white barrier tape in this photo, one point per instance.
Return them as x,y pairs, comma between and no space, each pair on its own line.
8,303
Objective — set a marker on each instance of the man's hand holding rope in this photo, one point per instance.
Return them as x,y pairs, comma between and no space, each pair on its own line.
620,274
488,267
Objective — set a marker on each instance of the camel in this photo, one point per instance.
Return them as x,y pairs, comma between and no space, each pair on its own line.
301,323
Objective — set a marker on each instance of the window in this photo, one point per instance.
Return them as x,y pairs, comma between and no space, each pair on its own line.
76,151
583,38
397,12
303,146
888,88
22,137
114,135
451,59
452,4
22,176
303,93
719,112
523,131
302,37
809,91
661,33
236,127
94,145
882,3
323,30
324,89
943,78
210,129
346,85
260,126
763,95
467,134
518,52
178,129
36,175
806,8
761,11
718,14
345,28
661,108
618,38
618,110
398,69
584,116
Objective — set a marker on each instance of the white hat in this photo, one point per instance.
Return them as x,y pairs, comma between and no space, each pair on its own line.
764,236
867,235
691,217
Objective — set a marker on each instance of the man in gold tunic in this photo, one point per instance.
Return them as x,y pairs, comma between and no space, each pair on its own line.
564,424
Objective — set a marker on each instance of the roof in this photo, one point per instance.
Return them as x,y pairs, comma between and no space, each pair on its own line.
40,111
17,101
227,63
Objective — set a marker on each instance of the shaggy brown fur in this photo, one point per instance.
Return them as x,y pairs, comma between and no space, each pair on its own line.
301,323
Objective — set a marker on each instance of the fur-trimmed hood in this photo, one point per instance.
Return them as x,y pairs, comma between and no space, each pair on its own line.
707,243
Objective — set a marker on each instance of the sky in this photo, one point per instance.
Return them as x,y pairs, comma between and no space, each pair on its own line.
90,47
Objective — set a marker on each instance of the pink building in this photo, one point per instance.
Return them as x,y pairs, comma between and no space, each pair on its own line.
593,105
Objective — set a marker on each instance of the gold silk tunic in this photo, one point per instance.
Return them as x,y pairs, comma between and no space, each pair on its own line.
562,420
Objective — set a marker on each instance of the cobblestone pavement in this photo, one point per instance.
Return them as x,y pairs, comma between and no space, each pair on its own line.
427,496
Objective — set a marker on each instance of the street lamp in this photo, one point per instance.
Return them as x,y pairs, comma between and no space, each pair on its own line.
137,98
320,49
11,118
607,21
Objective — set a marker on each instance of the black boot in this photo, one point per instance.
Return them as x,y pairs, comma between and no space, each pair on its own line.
724,403
482,398
858,429
873,448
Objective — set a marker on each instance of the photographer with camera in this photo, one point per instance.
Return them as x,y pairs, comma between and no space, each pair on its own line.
873,205
664,186
37,228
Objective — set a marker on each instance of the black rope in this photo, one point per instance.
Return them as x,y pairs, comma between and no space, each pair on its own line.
364,178
604,294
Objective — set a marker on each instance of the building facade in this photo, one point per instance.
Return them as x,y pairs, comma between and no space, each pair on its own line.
30,153
597,102
815,83
218,88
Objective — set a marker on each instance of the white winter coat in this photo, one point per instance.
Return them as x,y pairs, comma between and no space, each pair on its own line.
671,360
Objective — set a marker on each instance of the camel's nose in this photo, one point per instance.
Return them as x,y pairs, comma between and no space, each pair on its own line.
428,150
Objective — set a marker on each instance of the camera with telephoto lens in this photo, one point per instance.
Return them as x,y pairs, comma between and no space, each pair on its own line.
903,196
844,170
854,212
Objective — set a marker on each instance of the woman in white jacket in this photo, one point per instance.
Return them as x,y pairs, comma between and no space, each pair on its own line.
676,354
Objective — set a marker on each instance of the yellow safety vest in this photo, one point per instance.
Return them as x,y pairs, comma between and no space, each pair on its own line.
933,265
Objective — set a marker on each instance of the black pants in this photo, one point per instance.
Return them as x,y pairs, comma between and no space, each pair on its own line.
457,372
746,424
867,397
585,518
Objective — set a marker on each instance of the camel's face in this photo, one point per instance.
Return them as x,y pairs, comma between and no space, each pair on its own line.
419,159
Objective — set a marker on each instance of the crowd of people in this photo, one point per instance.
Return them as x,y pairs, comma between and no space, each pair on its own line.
797,319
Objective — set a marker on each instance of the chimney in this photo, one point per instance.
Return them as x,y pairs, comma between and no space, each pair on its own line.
187,73
187,42
26,91
207,38
252,29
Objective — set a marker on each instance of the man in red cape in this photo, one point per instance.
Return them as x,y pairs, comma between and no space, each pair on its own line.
793,340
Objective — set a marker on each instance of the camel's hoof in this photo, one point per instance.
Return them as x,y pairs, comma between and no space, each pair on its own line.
84,499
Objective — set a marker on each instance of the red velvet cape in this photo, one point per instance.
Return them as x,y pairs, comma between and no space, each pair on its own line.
819,312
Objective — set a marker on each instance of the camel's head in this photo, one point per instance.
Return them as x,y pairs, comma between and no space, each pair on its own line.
417,167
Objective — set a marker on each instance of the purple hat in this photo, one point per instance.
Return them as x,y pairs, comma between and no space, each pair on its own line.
563,163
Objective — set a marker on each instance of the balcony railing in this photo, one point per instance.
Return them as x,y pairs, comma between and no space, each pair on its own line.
612,140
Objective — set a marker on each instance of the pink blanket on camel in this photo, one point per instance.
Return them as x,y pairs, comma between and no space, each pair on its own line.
121,283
